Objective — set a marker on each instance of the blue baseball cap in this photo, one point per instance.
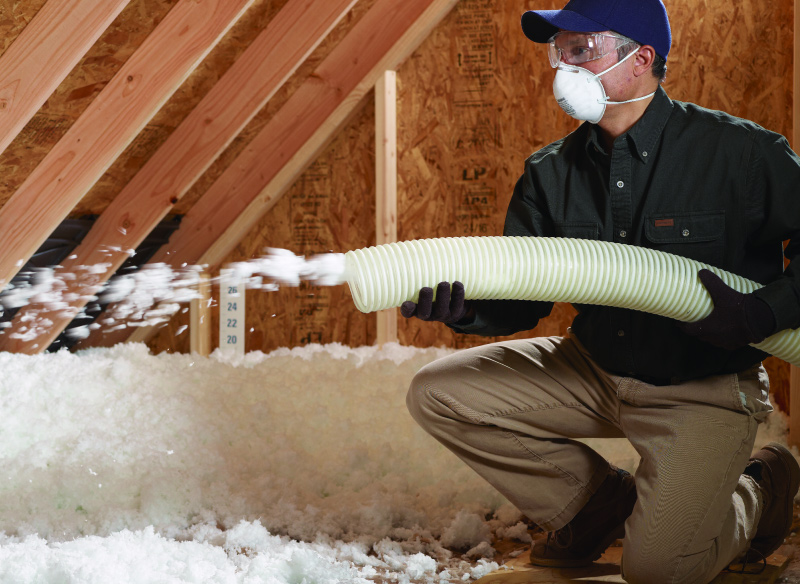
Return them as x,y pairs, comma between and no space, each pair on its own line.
644,21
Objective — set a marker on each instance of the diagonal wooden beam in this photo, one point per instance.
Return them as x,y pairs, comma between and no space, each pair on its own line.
44,53
384,37
235,99
166,58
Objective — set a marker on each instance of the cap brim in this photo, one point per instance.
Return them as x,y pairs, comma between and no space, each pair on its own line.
541,25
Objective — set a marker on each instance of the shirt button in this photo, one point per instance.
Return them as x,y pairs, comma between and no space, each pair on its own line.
685,233
623,233
620,333
644,154
620,184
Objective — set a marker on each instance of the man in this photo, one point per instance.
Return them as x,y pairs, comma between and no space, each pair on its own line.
642,170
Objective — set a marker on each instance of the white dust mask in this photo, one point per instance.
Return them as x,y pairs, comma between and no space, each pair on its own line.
581,94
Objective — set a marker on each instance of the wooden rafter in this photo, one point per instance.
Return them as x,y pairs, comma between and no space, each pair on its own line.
43,55
238,96
166,58
391,31
384,37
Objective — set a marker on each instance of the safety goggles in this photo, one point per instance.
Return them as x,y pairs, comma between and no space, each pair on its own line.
576,48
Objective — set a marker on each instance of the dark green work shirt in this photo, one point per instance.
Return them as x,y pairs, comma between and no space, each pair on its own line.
686,180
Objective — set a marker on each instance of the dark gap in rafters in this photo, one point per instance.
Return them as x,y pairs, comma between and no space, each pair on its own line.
61,243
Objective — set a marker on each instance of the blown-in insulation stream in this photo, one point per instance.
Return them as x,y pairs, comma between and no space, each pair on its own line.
552,269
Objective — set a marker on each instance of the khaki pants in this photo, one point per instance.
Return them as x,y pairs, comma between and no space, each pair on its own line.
513,411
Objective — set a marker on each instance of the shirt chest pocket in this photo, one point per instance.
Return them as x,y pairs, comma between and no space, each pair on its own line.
577,230
699,235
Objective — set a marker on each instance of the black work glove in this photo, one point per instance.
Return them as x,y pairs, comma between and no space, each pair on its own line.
737,319
449,307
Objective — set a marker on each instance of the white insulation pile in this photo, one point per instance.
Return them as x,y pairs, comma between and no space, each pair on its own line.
298,466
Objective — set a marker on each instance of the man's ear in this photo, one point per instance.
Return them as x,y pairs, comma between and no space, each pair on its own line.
644,59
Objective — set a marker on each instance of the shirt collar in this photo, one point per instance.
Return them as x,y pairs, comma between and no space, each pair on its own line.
593,141
644,135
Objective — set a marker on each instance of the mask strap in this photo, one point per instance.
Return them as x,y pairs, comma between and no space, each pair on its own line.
617,64
629,100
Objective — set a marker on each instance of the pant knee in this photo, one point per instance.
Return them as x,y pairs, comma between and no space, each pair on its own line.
642,570
660,568
418,398
433,399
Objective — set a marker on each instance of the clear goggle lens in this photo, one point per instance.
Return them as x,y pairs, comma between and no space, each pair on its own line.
574,48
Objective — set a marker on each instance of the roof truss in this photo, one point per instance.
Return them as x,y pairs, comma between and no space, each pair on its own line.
384,36
236,98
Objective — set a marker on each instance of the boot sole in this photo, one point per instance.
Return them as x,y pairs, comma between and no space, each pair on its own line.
586,560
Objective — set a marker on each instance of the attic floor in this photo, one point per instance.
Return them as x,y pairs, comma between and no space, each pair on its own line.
783,567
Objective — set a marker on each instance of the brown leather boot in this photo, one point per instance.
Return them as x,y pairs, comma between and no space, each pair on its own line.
777,474
601,521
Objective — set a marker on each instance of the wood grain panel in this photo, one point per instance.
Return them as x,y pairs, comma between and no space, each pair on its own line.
298,132
255,77
113,119
44,53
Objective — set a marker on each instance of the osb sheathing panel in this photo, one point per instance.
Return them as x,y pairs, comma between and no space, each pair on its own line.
96,69
14,17
331,207
313,217
175,110
264,116
76,92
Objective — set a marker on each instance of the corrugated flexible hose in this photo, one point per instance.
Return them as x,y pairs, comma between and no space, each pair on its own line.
553,269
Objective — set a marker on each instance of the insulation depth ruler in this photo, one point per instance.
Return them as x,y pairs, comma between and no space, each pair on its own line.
231,313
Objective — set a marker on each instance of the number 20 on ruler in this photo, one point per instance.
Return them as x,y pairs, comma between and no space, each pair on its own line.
231,315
